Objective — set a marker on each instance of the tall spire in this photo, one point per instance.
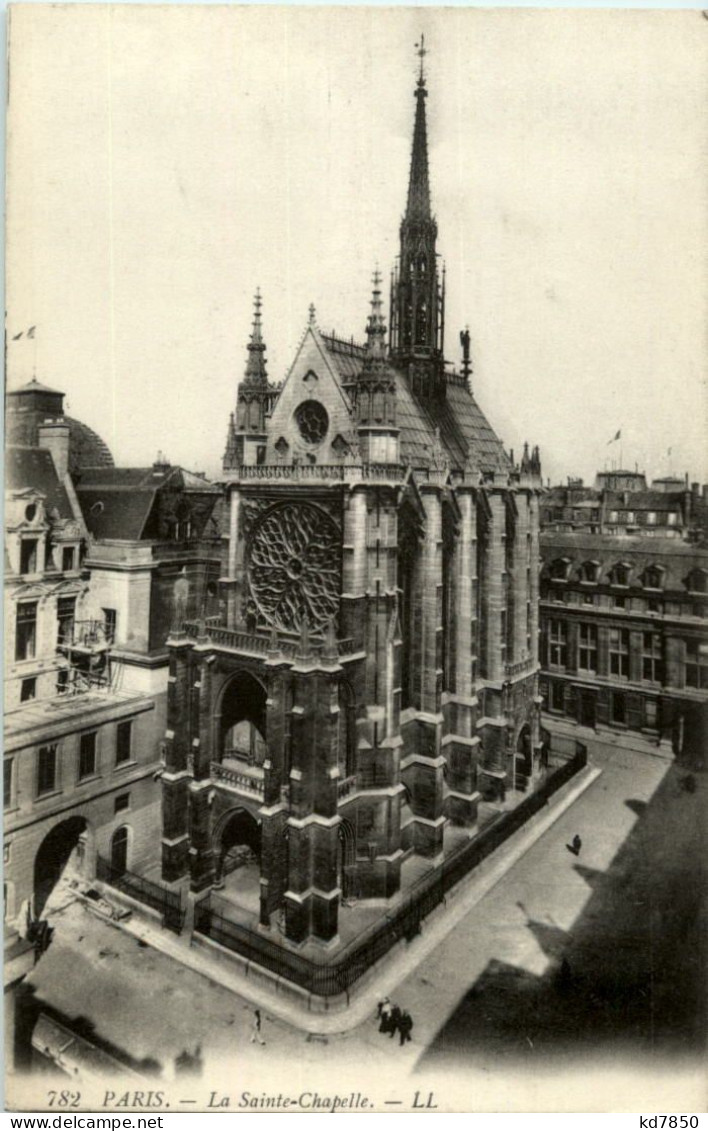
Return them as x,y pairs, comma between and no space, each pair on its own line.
256,364
419,183
417,302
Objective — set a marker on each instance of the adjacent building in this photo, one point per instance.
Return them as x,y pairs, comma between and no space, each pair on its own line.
624,610
79,753
97,558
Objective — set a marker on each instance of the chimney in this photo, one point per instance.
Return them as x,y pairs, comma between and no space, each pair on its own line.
54,436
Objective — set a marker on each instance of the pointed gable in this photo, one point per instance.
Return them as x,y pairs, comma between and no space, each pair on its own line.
312,413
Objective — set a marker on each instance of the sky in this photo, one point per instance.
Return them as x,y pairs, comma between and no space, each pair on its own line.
164,162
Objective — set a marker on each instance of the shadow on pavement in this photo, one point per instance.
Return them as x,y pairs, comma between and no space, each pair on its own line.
629,976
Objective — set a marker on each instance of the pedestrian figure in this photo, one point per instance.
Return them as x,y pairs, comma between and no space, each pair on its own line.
383,1012
394,1021
405,1025
386,1016
575,845
256,1035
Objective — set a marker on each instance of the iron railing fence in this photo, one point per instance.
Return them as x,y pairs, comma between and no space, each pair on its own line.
159,898
403,922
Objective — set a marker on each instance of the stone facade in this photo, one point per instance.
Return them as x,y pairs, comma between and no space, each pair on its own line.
624,610
80,754
374,672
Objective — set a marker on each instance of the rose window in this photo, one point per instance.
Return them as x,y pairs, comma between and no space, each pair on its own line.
293,566
312,420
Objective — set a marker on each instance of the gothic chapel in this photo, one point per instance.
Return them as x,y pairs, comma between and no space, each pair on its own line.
373,675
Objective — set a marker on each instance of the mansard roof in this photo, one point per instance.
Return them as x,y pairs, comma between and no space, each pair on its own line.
34,467
117,501
675,557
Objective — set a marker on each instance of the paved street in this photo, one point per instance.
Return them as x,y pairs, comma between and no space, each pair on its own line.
491,998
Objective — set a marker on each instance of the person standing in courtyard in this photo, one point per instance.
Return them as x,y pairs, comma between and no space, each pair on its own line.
256,1034
394,1020
405,1025
384,1014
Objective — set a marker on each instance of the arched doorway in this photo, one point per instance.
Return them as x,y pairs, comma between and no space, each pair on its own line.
523,759
237,853
243,720
53,856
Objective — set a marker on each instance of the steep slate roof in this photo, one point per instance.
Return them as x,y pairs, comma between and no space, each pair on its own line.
465,432
117,501
34,467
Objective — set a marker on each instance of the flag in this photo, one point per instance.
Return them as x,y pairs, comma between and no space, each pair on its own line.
16,337
616,436
30,333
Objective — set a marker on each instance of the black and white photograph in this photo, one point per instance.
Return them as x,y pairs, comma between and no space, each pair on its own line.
356,560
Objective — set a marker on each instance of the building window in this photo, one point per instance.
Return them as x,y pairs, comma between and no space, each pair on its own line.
7,783
619,653
587,648
588,572
651,518
672,518
618,708
26,631
62,680
696,665
121,803
652,665
28,689
66,611
67,559
653,606
619,602
87,755
557,643
559,570
28,555
110,621
697,581
588,599
652,577
124,738
46,770
620,574
650,714
557,697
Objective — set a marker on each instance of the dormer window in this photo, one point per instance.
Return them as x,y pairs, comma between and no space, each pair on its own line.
653,577
620,574
588,572
698,581
559,569
68,556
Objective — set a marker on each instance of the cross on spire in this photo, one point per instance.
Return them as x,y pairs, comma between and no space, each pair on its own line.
421,51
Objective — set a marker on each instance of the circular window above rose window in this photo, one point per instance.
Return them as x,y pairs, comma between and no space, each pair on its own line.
293,566
312,421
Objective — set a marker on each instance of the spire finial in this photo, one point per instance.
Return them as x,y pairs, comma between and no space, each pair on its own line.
256,365
376,326
421,52
311,318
